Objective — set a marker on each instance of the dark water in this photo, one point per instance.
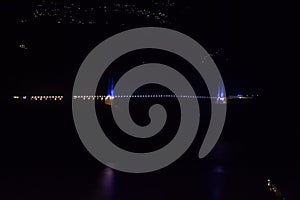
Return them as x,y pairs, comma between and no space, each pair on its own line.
43,158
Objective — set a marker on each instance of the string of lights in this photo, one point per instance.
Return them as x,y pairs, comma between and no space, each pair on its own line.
39,98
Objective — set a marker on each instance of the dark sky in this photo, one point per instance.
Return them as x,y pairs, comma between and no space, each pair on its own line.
240,29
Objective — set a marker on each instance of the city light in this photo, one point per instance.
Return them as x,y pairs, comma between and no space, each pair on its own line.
76,13
23,46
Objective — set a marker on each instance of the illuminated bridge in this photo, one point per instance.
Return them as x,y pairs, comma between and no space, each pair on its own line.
220,98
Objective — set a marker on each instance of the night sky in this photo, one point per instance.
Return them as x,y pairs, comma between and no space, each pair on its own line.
42,156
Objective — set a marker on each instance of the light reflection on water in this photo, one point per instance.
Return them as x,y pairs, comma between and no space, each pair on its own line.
105,188
184,182
213,178
217,179
217,183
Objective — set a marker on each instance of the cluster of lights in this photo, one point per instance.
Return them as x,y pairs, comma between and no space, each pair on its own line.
39,98
23,46
166,4
90,97
272,187
216,53
73,13
20,97
147,13
63,12
46,98
212,55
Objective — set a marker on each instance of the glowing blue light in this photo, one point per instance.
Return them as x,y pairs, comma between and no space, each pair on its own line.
220,91
110,87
